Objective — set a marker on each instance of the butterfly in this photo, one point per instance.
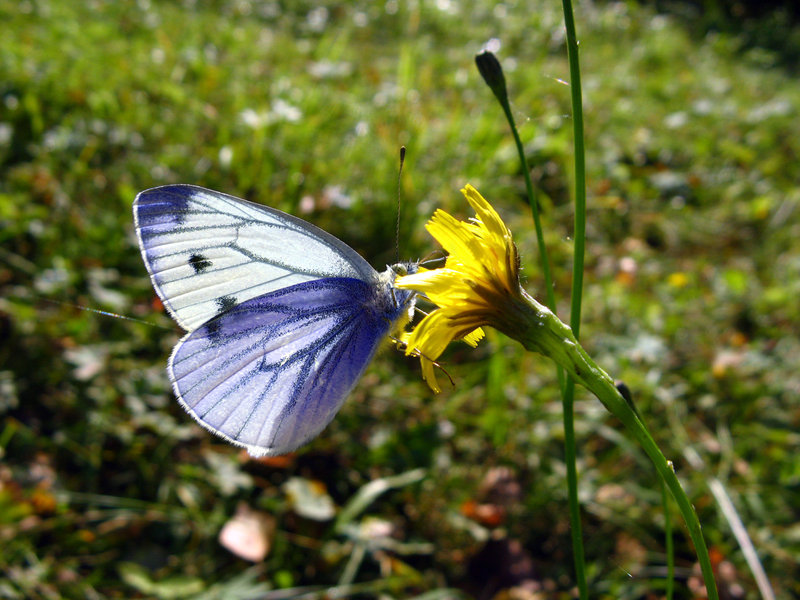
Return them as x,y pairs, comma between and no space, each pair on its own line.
282,318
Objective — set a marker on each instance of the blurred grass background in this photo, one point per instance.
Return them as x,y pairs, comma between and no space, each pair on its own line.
108,490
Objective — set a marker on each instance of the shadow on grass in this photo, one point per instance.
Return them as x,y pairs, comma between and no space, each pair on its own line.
771,25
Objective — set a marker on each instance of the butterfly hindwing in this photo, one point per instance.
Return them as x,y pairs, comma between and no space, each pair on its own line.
207,251
271,372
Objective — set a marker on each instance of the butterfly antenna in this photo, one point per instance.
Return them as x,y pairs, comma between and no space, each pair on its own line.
96,311
397,226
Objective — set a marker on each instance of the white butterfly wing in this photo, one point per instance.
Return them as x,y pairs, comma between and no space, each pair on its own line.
269,374
207,251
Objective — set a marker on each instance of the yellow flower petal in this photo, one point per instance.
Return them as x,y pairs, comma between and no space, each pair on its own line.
429,374
485,213
480,277
474,337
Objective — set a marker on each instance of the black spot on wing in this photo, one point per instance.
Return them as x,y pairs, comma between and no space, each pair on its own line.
226,303
214,326
212,329
199,263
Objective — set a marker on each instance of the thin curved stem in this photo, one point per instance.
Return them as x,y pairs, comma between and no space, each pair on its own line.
539,330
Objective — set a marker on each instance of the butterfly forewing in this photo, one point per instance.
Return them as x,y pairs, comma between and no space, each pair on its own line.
270,373
207,252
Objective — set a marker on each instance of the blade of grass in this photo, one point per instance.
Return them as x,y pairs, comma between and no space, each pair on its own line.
731,515
369,492
670,589
579,239
576,300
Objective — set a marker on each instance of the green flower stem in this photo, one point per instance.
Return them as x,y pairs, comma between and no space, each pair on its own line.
539,330
492,74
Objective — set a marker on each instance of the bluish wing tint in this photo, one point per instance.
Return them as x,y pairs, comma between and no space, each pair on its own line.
207,251
270,373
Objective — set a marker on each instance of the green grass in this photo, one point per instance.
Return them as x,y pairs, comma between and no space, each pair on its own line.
693,271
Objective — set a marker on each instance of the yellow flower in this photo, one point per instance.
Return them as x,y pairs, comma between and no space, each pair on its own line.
473,289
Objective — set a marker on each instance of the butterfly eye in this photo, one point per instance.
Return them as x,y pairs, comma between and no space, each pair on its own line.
400,269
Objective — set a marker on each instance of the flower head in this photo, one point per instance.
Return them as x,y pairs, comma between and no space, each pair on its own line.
479,281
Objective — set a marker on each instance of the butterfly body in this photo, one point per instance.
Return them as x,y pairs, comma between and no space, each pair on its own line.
282,318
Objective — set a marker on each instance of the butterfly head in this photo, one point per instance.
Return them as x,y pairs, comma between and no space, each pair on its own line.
403,268
401,302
